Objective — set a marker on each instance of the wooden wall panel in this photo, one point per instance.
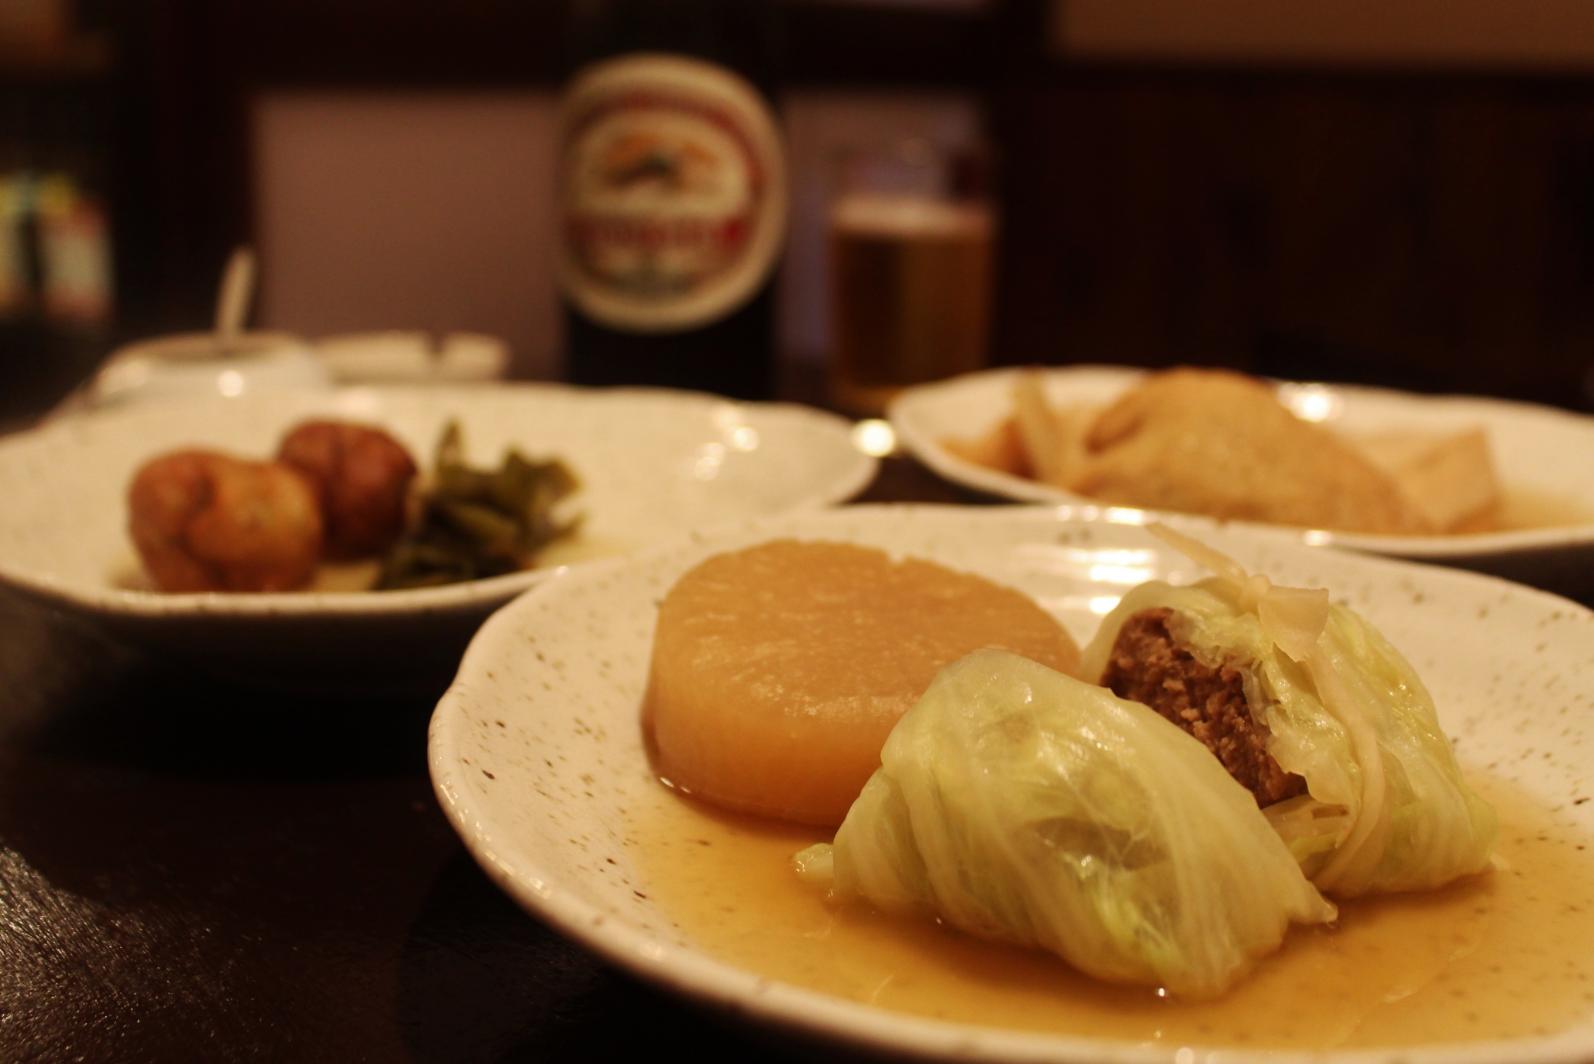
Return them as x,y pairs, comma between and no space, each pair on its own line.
1431,232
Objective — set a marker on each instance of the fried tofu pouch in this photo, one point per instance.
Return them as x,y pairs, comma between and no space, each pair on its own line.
1381,805
1219,443
1019,804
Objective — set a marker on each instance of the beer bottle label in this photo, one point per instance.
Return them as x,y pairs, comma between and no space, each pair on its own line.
673,193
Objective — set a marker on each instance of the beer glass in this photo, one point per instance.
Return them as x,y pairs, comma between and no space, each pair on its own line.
911,237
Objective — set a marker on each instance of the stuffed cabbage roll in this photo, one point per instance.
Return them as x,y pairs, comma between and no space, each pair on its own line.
1021,805
1310,709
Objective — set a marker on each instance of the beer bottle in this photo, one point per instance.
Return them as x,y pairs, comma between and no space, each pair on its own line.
673,197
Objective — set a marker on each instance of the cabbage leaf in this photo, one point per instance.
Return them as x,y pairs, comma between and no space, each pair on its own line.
1387,808
1021,805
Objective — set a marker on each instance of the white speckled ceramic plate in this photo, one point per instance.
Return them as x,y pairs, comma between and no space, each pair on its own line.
1543,457
653,464
538,759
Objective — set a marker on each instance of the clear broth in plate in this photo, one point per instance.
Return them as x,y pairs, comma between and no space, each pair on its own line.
1505,954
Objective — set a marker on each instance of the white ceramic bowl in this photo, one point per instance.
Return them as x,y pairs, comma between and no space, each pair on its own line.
412,357
1548,454
538,758
653,465
187,366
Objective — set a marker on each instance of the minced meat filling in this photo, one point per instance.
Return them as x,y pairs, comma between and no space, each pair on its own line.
1147,665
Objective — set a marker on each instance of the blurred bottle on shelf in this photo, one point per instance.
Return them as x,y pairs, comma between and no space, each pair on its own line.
17,256
74,252
673,194
55,240
16,287
72,224
57,95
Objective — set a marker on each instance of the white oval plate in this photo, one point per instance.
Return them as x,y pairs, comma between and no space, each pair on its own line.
653,464
1547,452
537,755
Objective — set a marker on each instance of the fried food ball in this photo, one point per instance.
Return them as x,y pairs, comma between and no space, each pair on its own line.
361,476
204,521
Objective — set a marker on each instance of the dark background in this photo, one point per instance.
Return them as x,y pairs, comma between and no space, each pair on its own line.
193,871
1427,225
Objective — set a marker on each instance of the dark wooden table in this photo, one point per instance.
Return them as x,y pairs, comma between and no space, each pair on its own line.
191,871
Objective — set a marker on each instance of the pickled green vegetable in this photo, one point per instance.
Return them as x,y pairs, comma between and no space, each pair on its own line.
476,523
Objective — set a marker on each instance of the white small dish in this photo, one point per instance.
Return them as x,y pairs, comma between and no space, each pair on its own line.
190,366
412,357
653,466
538,759
1541,454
